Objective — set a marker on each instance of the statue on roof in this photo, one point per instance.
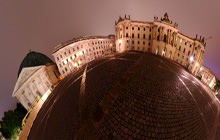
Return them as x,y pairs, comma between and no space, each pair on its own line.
165,18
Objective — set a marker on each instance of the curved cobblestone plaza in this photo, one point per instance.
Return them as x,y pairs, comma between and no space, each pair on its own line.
129,96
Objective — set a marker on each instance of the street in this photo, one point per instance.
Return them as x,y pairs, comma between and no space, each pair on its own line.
129,96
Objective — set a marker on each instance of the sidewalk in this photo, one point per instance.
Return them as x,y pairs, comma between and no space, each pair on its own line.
26,129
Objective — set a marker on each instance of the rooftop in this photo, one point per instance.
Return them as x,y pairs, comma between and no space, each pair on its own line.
34,59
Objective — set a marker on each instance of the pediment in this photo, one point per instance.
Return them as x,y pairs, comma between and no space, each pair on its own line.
25,74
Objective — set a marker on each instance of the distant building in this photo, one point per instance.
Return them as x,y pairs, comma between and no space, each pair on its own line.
69,56
207,77
160,37
37,75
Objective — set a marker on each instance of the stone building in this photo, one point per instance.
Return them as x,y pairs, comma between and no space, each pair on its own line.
207,77
37,75
161,37
69,56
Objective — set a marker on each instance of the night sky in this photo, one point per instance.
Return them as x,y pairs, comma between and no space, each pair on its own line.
42,24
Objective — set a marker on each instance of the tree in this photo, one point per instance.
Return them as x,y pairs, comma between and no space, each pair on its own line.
11,122
217,85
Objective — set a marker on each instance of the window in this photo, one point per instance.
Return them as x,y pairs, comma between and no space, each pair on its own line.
165,38
132,28
126,34
57,58
149,44
188,53
143,43
138,28
127,27
144,28
127,41
184,50
178,54
132,35
149,37
190,45
158,38
132,42
64,53
144,36
138,42
138,35
179,48
158,29
150,29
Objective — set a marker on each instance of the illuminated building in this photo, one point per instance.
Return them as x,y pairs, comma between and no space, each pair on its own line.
69,56
37,75
160,37
207,77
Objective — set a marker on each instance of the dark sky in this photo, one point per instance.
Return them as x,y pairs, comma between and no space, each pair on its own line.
42,24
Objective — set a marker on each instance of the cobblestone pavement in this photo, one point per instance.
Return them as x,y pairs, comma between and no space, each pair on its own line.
130,96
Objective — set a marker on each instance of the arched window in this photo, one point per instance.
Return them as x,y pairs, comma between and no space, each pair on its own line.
165,38
158,37
170,54
164,52
157,50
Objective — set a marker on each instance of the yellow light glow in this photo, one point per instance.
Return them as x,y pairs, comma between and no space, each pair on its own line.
120,41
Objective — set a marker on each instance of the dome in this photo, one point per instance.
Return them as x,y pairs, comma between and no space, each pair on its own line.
34,59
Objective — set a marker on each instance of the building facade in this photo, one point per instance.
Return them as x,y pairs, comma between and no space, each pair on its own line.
35,78
160,37
69,56
207,77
